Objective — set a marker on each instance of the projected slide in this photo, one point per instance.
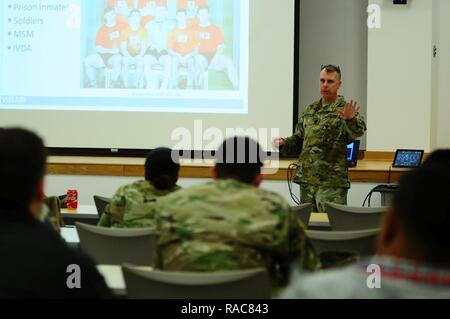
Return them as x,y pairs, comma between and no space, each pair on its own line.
125,55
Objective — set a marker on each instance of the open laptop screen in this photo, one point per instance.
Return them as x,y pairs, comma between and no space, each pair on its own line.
352,153
408,158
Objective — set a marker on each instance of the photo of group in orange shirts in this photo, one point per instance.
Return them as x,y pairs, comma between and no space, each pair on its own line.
162,45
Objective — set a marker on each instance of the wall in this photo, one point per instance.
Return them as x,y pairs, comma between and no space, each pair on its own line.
399,77
442,116
407,96
88,186
334,31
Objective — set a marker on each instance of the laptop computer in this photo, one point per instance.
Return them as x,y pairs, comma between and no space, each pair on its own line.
407,158
352,153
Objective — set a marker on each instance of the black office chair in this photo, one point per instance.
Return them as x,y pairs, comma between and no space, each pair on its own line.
101,203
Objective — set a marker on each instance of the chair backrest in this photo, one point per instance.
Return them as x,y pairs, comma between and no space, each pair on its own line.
157,284
361,242
303,212
101,203
114,246
343,218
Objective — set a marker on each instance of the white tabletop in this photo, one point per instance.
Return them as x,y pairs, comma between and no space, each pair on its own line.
114,277
70,235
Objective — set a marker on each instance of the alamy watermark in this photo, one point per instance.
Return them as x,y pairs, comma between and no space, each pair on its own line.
74,279
209,139
374,16
374,279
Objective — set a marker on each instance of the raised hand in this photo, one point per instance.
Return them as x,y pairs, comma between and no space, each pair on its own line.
278,142
349,111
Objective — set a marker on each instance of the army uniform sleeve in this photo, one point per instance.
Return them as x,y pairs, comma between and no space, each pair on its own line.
143,216
293,144
355,127
114,211
105,219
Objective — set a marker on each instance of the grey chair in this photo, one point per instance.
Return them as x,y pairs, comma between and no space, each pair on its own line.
360,242
157,284
101,203
343,218
114,246
303,212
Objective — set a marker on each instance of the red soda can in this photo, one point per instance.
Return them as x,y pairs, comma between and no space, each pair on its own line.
72,199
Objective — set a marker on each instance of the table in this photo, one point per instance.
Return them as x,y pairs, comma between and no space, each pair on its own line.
114,277
319,221
84,213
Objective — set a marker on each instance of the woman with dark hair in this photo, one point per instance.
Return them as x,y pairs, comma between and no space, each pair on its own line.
131,202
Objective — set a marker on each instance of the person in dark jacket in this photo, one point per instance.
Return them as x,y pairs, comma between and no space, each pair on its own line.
35,261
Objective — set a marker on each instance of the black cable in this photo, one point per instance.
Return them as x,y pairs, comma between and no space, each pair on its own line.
291,173
389,174
368,197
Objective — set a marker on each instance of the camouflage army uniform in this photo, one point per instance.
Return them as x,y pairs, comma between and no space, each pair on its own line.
321,139
228,225
129,203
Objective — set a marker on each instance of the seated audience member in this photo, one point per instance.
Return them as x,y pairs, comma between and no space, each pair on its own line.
34,258
157,55
133,47
441,156
182,46
413,259
211,51
107,51
130,201
230,223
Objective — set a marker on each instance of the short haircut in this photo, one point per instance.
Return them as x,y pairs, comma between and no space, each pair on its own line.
22,167
135,11
161,170
239,158
330,68
439,156
422,204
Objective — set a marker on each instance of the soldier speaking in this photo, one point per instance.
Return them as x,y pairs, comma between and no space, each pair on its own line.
320,139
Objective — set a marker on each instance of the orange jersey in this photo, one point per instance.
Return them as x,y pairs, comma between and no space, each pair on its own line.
146,19
183,41
209,38
110,37
135,40
183,4
113,4
193,22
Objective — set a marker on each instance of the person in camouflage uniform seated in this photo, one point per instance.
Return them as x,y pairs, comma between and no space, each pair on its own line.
321,137
131,201
231,224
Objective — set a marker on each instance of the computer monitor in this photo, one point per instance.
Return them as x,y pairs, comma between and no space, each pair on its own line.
352,153
407,158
